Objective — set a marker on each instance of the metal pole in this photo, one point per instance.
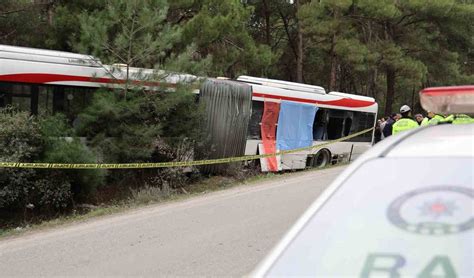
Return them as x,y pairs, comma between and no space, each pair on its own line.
350,155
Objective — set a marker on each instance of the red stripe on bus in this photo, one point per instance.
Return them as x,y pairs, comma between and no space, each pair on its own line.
346,102
454,90
44,78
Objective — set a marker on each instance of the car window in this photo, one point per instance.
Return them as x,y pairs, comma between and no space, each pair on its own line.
414,221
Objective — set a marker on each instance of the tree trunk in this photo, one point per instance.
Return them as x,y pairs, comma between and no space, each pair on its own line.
299,47
332,72
268,37
50,13
390,73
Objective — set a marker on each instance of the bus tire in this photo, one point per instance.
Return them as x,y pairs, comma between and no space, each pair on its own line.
322,158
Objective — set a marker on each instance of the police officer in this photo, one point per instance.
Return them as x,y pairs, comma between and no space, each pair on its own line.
419,118
406,122
460,119
432,119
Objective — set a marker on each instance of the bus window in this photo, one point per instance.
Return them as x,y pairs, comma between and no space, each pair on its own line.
5,95
335,124
76,99
347,126
320,124
361,122
45,100
3,99
255,120
19,96
335,128
58,100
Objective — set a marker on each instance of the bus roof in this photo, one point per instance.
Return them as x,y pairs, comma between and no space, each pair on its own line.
276,90
282,84
47,56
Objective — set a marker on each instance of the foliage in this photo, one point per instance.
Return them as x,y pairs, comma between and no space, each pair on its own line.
24,138
128,130
144,127
398,43
15,30
60,147
20,136
220,30
383,49
21,141
128,32
64,30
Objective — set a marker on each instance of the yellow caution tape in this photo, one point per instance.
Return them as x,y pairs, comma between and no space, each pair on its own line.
167,164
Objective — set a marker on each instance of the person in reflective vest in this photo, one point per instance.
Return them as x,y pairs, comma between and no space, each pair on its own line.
406,122
419,118
448,119
432,119
460,119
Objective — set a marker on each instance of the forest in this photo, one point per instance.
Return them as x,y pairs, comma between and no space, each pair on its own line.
386,49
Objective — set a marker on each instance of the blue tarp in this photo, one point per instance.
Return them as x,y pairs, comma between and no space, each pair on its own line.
295,125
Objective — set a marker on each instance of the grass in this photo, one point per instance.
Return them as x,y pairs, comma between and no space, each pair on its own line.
150,196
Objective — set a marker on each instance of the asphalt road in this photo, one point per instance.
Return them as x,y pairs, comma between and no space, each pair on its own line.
225,233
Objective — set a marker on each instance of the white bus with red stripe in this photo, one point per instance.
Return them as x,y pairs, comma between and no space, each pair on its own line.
338,115
48,81
40,66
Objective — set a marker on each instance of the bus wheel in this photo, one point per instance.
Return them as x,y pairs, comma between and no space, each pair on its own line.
322,159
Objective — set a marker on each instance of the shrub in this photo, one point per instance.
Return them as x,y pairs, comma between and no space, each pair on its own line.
60,149
141,127
21,141
20,137
122,130
26,139
83,182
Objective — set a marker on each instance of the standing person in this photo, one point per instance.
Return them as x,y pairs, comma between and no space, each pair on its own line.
387,130
462,119
383,121
432,119
406,122
419,118
377,132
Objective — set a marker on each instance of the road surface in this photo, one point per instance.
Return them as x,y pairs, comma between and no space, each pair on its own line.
225,233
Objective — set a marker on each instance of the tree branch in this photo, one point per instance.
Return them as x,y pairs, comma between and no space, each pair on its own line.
4,14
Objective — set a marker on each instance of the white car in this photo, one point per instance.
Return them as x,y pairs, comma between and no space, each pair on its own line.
404,208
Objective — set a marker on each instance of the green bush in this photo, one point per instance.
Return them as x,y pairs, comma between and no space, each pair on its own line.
122,130
141,127
83,182
54,126
24,138
20,136
61,149
21,140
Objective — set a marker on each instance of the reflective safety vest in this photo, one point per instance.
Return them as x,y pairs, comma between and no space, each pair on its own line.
403,124
462,119
448,119
425,121
433,121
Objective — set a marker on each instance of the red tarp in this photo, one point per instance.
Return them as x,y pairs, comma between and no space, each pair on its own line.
268,130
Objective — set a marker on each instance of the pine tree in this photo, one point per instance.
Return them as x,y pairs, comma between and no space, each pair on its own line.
134,33
220,29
